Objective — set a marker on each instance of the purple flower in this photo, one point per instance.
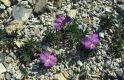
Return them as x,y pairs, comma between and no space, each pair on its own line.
88,44
67,20
94,38
60,21
48,59
91,42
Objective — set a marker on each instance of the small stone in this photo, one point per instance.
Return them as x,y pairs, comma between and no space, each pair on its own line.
21,13
19,43
9,59
59,76
6,2
9,10
108,9
17,75
120,9
79,63
8,76
89,1
112,75
120,1
2,77
108,64
122,57
58,3
70,72
14,25
101,34
2,68
72,13
119,72
77,77
75,1
80,26
2,7
38,7
65,73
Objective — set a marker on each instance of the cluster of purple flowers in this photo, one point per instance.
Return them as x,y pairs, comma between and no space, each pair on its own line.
91,41
60,21
48,59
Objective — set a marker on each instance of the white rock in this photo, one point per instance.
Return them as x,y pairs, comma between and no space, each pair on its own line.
79,63
6,2
80,27
59,76
108,9
2,68
21,13
2,77
15,25
101,34
19,43
72,13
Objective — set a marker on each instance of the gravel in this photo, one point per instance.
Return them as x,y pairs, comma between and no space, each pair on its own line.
33,20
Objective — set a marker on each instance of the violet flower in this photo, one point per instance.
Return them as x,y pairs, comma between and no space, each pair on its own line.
88,44
94,38
91,42
48,59
60,21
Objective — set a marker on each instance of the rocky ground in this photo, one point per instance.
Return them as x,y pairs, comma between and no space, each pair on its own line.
32,18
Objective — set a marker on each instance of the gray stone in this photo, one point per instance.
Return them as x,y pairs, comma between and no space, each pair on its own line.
119,72
79,63
38,7
58,3
75,1
2,77
112,75
120,1
107,64
101,34
70,72
8,76
120,9
2,68
21,13
2,6
9,59
89,1
59,76
6,2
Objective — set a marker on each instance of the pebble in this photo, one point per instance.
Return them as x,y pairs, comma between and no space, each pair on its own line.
8,76
88,13
59,76
2,7
66,75
120,72
6,2
101,34
2,77
2,68
38,7
120,9
79,63
14,25
21,13
120,1
72,13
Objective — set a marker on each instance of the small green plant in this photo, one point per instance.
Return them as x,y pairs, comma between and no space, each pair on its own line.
28,51
73,33
7,40
117,47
